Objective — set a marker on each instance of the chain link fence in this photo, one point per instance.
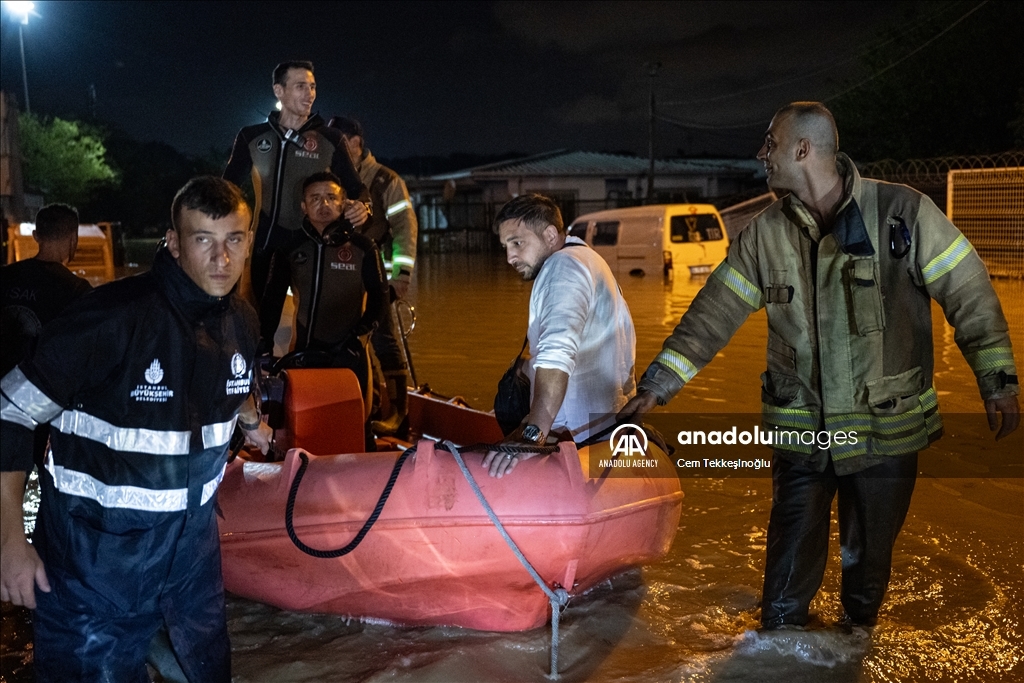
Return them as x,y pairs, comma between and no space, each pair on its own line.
982,195
988,207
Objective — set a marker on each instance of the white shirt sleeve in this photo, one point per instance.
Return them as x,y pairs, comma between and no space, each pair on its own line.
558,312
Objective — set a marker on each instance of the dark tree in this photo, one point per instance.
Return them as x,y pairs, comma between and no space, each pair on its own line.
958,95
151,173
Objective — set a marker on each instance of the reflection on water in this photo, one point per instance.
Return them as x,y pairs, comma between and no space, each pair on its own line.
955,608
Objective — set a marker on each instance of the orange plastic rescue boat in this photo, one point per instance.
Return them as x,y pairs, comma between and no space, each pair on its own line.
433,557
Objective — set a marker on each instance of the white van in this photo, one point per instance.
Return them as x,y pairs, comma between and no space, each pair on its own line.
663,238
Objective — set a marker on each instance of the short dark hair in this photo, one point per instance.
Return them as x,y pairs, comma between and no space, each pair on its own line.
815,121
210,195
321,177
56,222
535,210
348,126
282,69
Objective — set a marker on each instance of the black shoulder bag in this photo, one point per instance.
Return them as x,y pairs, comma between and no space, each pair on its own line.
512,402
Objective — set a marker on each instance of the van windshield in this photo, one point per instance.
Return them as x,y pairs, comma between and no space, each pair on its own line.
579,230
697,227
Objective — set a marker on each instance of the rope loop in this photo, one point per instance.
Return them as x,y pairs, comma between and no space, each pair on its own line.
293,493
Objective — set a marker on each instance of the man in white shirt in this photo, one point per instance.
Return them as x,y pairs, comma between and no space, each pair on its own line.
581,338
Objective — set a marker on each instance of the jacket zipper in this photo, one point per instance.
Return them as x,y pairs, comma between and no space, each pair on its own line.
315,299
279,177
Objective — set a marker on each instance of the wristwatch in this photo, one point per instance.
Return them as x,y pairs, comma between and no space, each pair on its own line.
533,434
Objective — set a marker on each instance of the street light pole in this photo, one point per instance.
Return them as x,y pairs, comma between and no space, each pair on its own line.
24,71
652,72
22,9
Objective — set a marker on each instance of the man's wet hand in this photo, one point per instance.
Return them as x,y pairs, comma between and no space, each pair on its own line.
499,464
1009,408
21,571
262,437
401,286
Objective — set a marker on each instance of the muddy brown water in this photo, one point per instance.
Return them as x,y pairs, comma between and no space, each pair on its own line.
955,607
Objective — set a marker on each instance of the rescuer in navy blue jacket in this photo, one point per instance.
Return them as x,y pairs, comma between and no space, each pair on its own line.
279,154
141,384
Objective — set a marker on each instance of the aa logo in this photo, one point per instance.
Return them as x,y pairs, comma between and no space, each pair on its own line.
628,440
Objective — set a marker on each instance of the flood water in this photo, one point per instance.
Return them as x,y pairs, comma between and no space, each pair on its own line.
955,607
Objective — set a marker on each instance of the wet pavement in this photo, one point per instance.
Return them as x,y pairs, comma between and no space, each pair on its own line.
955,607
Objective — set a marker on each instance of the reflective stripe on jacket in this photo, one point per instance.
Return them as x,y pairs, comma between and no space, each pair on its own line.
392,212
140,382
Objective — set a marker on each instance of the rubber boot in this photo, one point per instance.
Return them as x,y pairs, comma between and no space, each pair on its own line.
397,423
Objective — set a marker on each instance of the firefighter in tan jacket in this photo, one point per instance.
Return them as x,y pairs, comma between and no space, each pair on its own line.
394,229
846,268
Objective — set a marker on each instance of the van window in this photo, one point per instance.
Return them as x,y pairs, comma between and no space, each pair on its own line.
606,233
579,230
698,227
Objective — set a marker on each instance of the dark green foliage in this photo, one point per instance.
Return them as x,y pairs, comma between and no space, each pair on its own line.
64,160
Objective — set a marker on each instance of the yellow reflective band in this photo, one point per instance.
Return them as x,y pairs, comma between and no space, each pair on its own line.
398,206
947,260
894,424
929,399
741,286
887,434
677,363
789,443
789,417
901,446
404,261
995,358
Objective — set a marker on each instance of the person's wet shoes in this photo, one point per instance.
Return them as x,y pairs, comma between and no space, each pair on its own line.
848,624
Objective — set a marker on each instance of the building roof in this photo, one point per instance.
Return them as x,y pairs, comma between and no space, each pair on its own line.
568,163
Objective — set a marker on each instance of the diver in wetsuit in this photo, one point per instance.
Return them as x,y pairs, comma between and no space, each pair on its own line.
333,269
279,154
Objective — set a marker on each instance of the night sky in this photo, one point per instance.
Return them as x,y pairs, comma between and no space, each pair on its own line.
436,78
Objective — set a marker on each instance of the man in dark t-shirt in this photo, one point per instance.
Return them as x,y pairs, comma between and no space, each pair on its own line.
34,291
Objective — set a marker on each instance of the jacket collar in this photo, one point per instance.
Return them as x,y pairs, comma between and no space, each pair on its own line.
367,162
849,230
314,121
181,291
337,233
